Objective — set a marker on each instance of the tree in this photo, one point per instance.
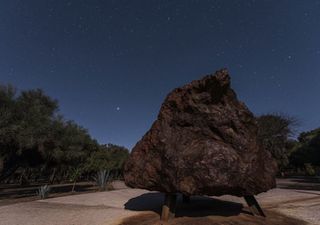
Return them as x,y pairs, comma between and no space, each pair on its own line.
107,163
118,154
109,157
68,148
274,133
35,139
24,122
307,150
7,105
34,135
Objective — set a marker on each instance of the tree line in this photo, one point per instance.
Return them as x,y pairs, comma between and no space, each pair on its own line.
294,156
37,143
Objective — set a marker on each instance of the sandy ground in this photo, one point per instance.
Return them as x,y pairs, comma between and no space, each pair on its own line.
109,208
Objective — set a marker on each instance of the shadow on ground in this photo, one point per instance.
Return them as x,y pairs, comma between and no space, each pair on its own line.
198,207
200,211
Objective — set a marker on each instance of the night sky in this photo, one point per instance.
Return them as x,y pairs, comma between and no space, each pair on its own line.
110,64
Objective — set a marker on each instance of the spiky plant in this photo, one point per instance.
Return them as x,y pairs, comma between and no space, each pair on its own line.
43,191
102,178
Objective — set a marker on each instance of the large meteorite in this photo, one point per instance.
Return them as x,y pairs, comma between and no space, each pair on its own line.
204,142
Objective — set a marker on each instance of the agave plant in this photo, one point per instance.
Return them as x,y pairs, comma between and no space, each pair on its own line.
102,178
43,191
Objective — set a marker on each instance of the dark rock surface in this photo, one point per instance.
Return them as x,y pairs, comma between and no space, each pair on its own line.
204,142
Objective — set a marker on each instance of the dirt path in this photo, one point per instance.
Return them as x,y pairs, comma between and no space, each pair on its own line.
85,209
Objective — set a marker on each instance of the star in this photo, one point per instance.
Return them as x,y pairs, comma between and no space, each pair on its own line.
118,108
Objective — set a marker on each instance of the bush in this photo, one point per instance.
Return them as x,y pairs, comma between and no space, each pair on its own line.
310,171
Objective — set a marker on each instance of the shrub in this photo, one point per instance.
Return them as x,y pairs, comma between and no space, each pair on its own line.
310,171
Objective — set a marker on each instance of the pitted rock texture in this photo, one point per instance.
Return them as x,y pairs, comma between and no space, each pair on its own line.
204,142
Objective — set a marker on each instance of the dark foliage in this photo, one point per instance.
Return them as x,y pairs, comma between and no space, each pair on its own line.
307,150
36,142
275,131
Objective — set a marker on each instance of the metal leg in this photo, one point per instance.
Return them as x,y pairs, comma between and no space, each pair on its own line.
169,207
254,205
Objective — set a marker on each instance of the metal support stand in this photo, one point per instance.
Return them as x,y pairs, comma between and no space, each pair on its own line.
169,207
254,206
